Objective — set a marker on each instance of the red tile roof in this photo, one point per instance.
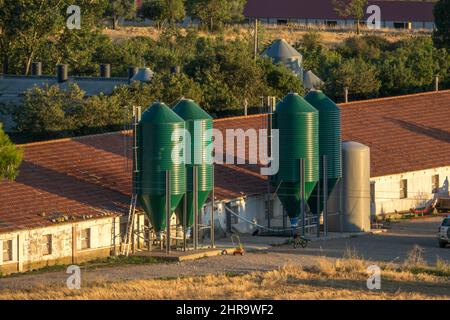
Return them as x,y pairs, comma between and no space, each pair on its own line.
87,177
401,11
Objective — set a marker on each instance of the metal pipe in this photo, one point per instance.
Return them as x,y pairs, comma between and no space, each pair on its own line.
36,68
302,194
269,152
325,195
168,211
195,206
213,240
256,39
184,222
318,209
341,204
105,70
62,73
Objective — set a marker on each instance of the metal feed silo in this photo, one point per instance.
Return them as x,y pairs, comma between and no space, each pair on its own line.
330,144
198,124
297,122
155,155
355,187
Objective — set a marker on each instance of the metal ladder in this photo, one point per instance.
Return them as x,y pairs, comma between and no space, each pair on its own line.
132,211
131,218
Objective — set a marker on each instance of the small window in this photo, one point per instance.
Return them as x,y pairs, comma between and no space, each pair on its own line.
400,25
7,250
85,239
331,23
372,192
403,189
46,245
282,22
435,182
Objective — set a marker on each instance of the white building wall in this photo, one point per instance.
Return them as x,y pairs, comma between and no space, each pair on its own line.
27,244
387,189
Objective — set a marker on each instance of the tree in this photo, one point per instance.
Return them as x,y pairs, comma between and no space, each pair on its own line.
215,13
351,8
119,8
162,11
357,75
26,25
10,157
441,34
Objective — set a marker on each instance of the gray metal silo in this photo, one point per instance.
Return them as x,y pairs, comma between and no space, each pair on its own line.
355,188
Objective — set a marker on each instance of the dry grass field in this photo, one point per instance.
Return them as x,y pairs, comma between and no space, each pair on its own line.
343,278
291,34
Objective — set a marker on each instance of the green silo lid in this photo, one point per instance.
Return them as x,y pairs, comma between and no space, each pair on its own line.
158,113
293,103
320,100
189,110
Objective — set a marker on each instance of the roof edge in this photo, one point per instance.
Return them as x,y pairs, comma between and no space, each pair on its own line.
419,94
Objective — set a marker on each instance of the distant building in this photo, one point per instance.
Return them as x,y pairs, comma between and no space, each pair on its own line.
394,14
14,87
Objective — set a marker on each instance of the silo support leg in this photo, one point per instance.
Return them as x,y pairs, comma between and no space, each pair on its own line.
168,211
325,195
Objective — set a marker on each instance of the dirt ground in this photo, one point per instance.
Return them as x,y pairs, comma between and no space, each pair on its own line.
390,247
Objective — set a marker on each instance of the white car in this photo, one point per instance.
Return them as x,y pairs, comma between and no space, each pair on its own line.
444,233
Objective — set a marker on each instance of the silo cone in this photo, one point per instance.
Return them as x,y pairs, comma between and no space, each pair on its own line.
330,144
297,122
155,151
198,122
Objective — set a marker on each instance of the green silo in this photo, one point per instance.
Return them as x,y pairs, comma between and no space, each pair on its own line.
297,122
156,153
199,125
330,143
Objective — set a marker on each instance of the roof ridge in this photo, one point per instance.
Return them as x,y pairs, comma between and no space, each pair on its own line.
41,143
349,104
238,117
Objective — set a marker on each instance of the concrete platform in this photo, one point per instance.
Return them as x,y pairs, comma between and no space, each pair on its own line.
179,256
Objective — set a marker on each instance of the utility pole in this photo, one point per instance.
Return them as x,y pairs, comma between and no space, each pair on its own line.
256,38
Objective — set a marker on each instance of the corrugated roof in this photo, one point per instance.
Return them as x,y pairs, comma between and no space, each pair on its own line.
323,9
87,177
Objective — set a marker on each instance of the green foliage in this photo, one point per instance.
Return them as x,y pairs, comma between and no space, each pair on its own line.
409,67
119,8
441,34
372,66
10,157
25,25
351,8
215,13
357,75
163,11
36,30
53,112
